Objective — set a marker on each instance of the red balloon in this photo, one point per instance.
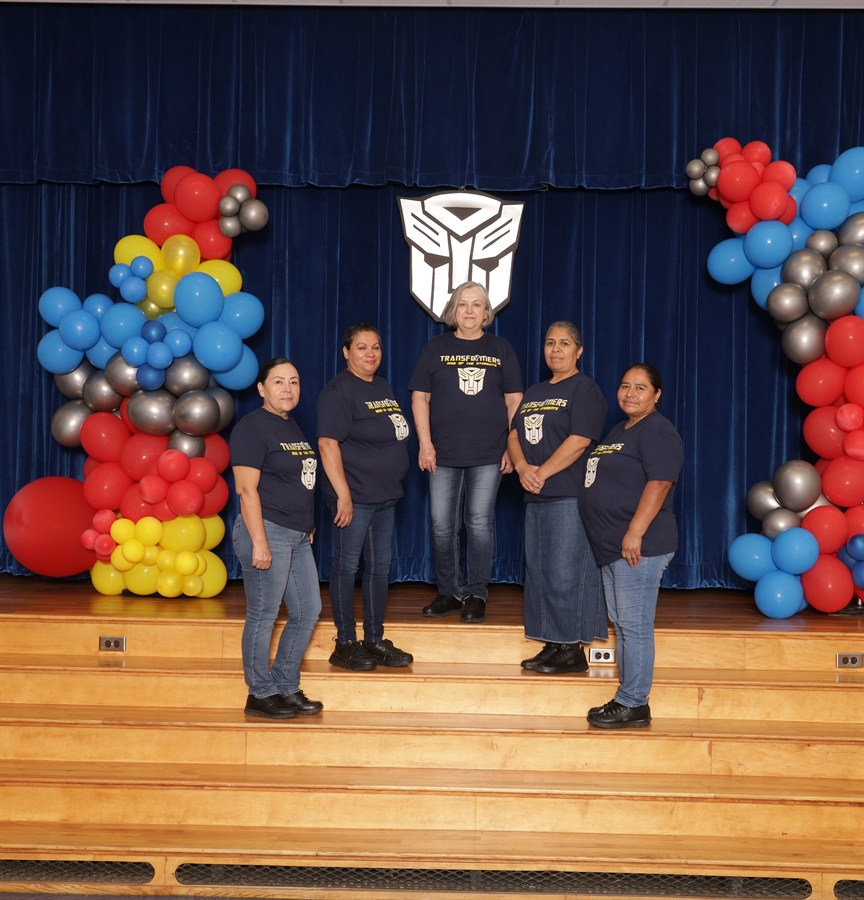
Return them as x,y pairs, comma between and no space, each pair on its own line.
154,488
740,218
714,194
820,382
43,524
106,484
822,435
853,444
124,415
730,158
104,545
164,221
163,511
170,180
185,498
782,172
828,586
725,202
821,465
768,200
230,177
89,465
203,473
88,538
854,520
737,181
727,145
757,152
828,525
853,387
791,212
173,465
197,197
215,500
758,167
103,520
844,343
210,240
843,481
140,451
216,450
103,436
849,417
132,506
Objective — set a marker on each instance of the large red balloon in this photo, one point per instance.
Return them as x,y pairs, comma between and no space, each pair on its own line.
822,435
164,221
105,485
737,181
215,500
828,585
197,197
216,450
757,152
844,341
103,436
768,200
854,520
782,172
170,180
43,524
843,481
828,525
820,382
140,450
210,240
853,387
230,177
740,218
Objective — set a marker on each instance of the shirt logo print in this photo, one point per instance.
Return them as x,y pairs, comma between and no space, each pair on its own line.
471,380
308,475
591,470
400,424
533,428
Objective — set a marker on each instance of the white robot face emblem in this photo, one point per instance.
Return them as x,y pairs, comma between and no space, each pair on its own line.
400,423
471,380
460,236
310,466
591,470
534,428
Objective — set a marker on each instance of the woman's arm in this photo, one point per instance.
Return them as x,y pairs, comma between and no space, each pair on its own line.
512,402
246,484
653,495
331,459
564,457
420,409
526,472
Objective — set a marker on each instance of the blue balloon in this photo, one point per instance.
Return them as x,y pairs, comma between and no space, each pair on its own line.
803,604
159,356
750,556
243,312
240,376
728,264
179,341
795,551
779,595
819,174
855,546
133,289
763,282
768,244
856,207
97,304
859,307
858,574
153,332
848,172
845,558
825,206
142,267
100,353
172,322
118,273
150,379
134,351
56,302
121,322
80,329
217,346
198,299
799,189
55,355
800,231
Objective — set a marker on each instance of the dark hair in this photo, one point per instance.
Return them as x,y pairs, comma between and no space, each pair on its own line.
575,333
270,365
652,372
354,330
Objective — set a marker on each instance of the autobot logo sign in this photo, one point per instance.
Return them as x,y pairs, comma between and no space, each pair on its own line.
460,236
471,380
400,423
308,474
534,428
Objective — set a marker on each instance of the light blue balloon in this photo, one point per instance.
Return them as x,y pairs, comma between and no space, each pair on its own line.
80,329
750,556
133,289
848,172
100,353
118,273
142,266
172,322
763,282
800,231
55,355
179,341
825,206
198,299
159,356
856,207
728,264
240,376
778,595
795,551
150,379
243,312
819,174
768,244
56,302
859,307
217,346
97,304
799,189
121,322
134,351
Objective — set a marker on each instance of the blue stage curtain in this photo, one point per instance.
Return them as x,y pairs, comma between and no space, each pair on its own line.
494,98
627,266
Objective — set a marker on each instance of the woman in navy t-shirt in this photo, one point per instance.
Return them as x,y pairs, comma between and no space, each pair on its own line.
363,442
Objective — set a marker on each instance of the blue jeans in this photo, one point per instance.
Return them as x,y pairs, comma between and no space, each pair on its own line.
370,534
631,598
292,577
454,492
563,595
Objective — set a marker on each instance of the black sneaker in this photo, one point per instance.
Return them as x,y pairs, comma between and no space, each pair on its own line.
541,657
566,658
302,704
615,715
474,610
272,707
443,605
352,655
385,654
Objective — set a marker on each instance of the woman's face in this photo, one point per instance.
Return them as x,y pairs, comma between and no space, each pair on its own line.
281,390
470,311
636,395
364,354
561,351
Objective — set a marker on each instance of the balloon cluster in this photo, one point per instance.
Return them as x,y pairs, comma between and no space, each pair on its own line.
802,241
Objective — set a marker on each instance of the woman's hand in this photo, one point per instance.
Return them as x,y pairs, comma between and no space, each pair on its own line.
344,511
529,479
261,556
631,548
506,464
426,459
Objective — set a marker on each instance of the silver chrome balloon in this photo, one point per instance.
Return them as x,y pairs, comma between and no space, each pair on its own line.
779,520
803,267
848,258
833,295
712,173
821,501
99,395
196,412
822,241
229,206
761,499
797,484
71,384
695,168
121,376
787,302
230,226
253,215
710,156
239,192
803,340
190,444
186,374
852,230
67,421
152,411
227,406
698,187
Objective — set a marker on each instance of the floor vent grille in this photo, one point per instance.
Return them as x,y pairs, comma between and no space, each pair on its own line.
71,870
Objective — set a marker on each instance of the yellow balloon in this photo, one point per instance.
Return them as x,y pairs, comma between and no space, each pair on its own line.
186,563
150,309
216,576
202,563
181,254
106,579
119,561
148,530
127,248
215,528
165,559
151,554
141,579
122,530
169,583
192,585
133,550
160,288
183,533
226,275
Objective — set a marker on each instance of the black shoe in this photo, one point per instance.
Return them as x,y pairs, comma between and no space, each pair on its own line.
352,655
566,658
385,654
474,610
442,605
302,704
615,715
541,657
272,707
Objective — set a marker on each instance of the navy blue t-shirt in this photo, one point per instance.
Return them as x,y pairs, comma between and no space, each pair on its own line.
373,436
264,440
548,415
467,381
616,474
